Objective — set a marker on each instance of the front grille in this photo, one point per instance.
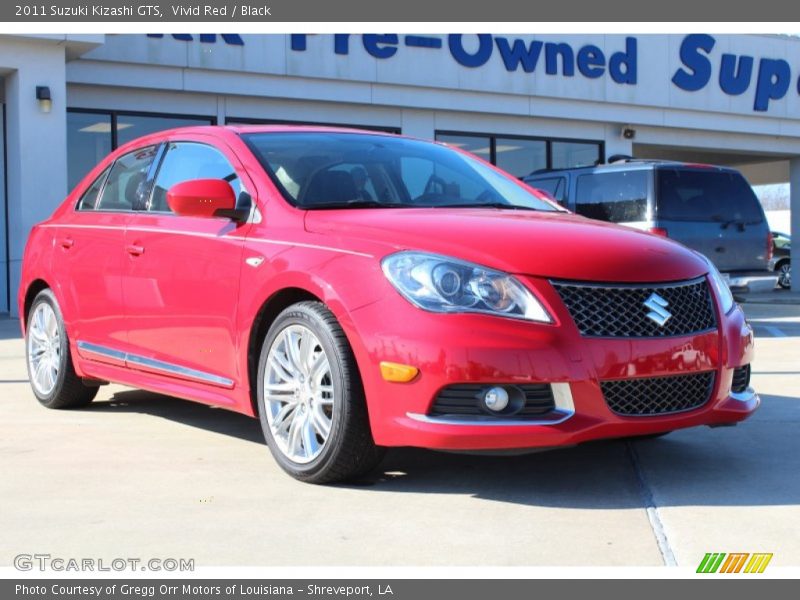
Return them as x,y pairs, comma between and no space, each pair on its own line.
618,310
465,400
741,379
658,395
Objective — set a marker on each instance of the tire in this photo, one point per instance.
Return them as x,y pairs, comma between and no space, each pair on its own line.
785,275
47,356
310,398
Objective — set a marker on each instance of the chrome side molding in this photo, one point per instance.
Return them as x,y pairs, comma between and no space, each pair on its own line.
151,364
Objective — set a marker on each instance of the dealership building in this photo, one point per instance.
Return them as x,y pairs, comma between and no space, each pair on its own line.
524,102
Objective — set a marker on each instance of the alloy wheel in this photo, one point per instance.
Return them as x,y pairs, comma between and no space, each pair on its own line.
298,394
44,349
785,276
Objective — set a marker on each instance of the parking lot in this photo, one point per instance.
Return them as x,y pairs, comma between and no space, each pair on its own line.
137,474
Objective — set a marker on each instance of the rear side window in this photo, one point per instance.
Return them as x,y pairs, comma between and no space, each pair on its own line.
89,199
619,197
126,186
706,195
185,161
555,186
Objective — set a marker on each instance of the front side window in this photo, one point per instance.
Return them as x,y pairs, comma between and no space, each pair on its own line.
185,161
126,186
555,186
317,170
619,197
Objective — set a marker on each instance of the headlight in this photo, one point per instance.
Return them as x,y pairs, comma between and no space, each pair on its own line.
724,294
441,284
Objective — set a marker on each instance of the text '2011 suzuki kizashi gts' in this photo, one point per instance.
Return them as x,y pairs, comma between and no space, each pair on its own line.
358,290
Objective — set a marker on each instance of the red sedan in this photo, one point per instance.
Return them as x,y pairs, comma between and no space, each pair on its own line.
357,290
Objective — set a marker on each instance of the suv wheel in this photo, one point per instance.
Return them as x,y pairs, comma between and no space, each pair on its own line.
310,399
785,275
53,379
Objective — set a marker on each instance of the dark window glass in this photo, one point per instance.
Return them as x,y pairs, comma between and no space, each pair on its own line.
619,197
248,121
706,195
185,161
89,199
555,186
567,155
88,142
520,157
126,187
319,170
478,145
130,127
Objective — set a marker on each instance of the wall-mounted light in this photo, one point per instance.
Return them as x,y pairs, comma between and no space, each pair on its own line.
44,98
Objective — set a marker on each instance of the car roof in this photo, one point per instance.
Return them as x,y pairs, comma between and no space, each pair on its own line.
226,131
639,164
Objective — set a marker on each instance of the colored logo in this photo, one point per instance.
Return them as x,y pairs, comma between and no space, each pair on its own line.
658,309
735,562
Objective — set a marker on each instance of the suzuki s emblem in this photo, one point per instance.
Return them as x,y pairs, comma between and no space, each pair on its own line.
658,309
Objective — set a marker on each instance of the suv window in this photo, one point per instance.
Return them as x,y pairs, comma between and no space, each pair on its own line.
126,186
619,196
555,186
706,195
185,161
89,199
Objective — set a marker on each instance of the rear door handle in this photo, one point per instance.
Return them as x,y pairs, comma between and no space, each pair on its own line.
67,243
134,249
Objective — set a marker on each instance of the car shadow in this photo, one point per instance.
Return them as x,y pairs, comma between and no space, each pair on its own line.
750,465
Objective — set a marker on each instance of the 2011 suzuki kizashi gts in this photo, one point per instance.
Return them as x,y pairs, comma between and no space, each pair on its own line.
358,290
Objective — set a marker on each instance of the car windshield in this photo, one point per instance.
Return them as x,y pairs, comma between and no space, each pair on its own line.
319,170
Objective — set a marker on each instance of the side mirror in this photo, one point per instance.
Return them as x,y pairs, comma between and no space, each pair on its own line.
202,198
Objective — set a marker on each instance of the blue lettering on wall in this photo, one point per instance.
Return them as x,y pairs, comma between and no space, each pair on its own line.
477,58
736,73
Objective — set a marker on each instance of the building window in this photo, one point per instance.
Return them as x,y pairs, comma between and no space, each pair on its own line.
92,134
521,156
249,121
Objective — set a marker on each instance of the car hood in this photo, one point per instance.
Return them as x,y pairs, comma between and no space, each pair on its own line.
547,244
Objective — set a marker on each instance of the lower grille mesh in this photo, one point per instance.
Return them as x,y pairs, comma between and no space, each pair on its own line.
658,395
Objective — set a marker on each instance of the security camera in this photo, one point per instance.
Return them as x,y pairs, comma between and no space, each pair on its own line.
628,132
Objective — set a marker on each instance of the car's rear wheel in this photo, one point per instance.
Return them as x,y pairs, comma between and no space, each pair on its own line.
785,275
310,398
53,379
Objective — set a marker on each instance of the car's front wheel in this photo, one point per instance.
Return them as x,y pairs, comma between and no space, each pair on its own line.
310,398
785,275
53,379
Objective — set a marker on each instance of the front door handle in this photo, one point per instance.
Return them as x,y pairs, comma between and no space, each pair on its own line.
134,249
67,243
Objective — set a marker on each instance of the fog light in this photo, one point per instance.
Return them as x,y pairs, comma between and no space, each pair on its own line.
495,399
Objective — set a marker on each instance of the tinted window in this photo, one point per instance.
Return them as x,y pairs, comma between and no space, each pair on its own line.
519,156
316,170
130,127
89,199
88,142
185,161
555,186
619,197
126,187
477,144
568,155
706,195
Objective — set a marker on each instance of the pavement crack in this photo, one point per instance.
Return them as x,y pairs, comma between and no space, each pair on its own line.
657,526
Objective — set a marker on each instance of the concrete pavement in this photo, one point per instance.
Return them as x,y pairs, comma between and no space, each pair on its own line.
142,475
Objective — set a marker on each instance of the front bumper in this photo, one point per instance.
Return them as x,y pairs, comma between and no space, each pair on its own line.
463,348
